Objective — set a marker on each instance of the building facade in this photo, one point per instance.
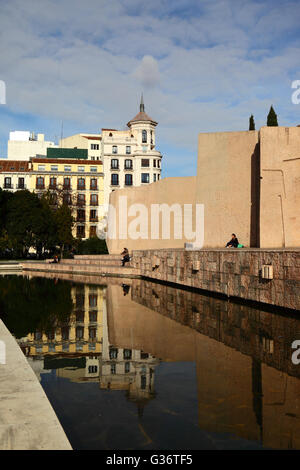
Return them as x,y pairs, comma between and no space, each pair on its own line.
79,183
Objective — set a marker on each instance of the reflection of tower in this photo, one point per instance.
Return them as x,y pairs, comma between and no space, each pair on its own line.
127,369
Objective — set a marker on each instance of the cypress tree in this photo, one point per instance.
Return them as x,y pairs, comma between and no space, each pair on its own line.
251,123
272,118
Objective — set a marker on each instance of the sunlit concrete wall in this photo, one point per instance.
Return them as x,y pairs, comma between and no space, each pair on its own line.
227,164
280,187
169,191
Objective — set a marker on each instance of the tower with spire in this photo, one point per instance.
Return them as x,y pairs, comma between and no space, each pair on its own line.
129,156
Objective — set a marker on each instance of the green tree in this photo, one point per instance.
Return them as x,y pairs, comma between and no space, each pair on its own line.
272,118
251,123
92,246
64,223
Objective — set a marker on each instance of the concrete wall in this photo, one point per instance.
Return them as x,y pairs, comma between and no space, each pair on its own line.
227,164
280,187
170,191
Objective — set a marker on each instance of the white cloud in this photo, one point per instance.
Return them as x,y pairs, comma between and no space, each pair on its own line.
205,66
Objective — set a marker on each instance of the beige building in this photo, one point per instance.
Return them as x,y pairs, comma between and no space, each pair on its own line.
249,184
15,175
23,145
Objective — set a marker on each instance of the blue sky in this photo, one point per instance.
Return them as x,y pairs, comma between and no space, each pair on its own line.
203,67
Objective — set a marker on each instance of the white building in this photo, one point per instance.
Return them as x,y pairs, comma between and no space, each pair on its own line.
23,145
129,156
15,175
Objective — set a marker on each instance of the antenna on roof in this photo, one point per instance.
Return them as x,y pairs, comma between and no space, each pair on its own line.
142,106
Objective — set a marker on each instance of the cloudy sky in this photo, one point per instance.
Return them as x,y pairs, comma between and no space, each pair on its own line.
203,66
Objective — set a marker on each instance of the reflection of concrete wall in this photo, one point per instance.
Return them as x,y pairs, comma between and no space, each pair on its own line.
280,186
169,191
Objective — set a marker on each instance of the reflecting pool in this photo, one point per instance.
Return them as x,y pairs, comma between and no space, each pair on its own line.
131,364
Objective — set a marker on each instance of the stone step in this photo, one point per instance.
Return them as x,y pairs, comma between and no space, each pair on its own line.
97,257
82,269
104,262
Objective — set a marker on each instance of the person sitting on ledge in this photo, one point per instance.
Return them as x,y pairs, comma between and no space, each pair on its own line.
233,243
55,260
126,258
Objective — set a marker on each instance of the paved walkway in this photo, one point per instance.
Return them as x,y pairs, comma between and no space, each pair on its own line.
27,420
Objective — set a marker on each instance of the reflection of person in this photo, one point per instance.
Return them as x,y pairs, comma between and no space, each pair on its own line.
126,288
125,254
233,243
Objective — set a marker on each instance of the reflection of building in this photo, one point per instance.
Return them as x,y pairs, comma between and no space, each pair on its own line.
73,347
127,369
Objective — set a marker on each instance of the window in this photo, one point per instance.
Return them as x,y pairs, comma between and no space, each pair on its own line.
52,182
94,200
127,367
67,199
51,347
144,355
115,149
154,177
93,184
143,382
80,231
93,316
54,167
40,182
93,231
81,184
93,216
67,167
145,162
65,333
94,146
158,163
80,215
128,149
151,135
65,347
128,180
128,165
158,177
93,369
93,300
21,183
144,136
113,353
67,183
92,158
93,169
41,167
7,182
114,179
154,163
113,369
127,353
79,332
80,169
114,163
81,199
92,333
145,177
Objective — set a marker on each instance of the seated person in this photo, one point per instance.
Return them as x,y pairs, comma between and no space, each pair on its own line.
126,258
233,243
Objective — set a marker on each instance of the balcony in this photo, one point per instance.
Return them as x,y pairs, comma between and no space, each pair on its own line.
8,186
52,186
40,186
94,203
81,187
94,219
93,188
80,219
67,187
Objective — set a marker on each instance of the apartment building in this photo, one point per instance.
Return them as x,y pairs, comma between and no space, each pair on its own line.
15,175
80,185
